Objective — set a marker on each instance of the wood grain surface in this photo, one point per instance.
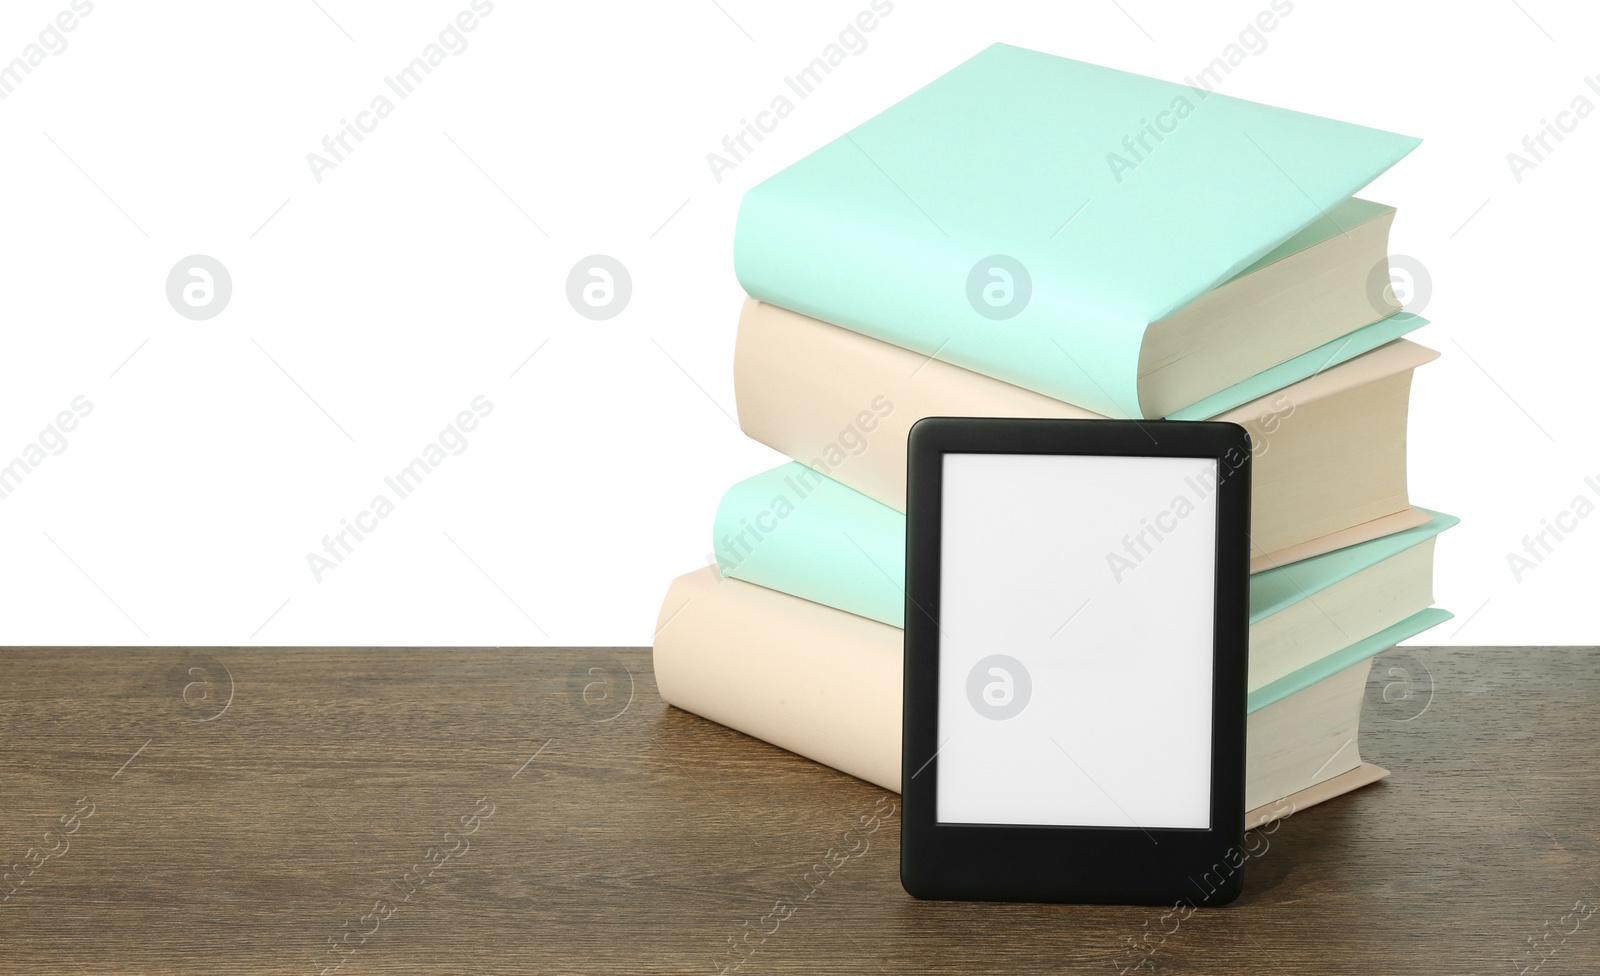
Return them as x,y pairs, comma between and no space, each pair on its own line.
540,810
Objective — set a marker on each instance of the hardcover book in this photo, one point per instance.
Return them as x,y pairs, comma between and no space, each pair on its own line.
792,530
1059,225
827,684
1329,450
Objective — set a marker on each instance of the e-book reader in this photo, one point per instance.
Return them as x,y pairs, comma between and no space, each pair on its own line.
1075,659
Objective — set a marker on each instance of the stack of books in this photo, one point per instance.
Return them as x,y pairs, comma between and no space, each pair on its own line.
1030,236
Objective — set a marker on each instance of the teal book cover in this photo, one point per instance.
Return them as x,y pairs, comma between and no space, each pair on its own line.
1346,657
1120,198
793,530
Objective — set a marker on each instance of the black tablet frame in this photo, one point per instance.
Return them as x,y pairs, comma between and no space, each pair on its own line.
1109,865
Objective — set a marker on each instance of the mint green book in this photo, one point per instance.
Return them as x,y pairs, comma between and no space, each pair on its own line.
1097,236
1352,654
793,530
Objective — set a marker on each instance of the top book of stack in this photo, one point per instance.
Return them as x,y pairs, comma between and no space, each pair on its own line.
1096,236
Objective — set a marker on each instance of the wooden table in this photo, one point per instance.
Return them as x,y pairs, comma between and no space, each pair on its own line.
539,810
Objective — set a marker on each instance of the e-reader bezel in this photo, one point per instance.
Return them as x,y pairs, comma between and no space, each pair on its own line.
1108,865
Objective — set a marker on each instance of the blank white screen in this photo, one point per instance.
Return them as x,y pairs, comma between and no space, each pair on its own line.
1095,577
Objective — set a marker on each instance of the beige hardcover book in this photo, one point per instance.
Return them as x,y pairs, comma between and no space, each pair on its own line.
1330,450
1363,775
1365,532
826,684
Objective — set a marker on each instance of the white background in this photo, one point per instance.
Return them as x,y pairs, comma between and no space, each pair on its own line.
368,309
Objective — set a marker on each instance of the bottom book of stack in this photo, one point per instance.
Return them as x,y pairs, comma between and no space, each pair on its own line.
826,684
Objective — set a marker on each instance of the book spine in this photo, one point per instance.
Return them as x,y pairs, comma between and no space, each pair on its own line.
793,530
804,677
843,404
887,270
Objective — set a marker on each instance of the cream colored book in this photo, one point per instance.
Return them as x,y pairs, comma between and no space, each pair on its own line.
827,685
1363,775
1329,457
